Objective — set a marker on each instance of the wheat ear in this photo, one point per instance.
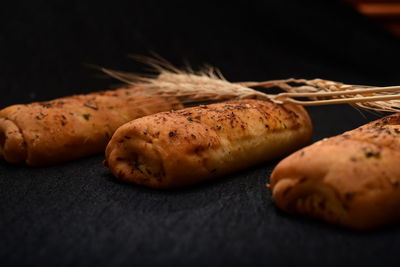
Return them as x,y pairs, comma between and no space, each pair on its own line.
209,85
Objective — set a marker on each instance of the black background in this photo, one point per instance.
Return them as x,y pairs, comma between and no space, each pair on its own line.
76,214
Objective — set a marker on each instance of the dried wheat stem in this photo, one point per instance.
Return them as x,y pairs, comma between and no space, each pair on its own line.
344,92
336,101
210,85
272,83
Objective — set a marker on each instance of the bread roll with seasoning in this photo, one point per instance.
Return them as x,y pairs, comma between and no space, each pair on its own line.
67,128
181,148
352,180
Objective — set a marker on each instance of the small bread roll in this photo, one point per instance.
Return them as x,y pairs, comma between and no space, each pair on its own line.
71,127
180,148
351,180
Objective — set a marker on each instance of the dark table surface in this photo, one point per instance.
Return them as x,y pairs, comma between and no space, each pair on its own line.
77,214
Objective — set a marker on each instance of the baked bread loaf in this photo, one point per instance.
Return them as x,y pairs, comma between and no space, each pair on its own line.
180,148
351,180
71,127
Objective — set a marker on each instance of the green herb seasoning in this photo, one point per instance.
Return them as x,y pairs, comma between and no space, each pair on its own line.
91,105
86,116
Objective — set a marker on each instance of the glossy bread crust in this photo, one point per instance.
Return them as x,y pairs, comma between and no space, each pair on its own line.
351,180
180,148
51,132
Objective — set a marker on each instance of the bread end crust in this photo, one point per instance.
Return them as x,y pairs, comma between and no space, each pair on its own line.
12,143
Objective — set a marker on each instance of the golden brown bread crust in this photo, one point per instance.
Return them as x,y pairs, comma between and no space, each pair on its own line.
71,127
352,179
180,148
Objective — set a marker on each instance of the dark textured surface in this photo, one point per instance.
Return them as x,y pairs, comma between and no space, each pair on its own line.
75,213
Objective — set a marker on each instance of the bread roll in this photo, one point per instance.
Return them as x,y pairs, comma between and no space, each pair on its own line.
180,148
67,128
351,180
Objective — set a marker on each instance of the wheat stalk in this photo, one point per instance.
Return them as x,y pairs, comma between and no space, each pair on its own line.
325,92
189,87
209,85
